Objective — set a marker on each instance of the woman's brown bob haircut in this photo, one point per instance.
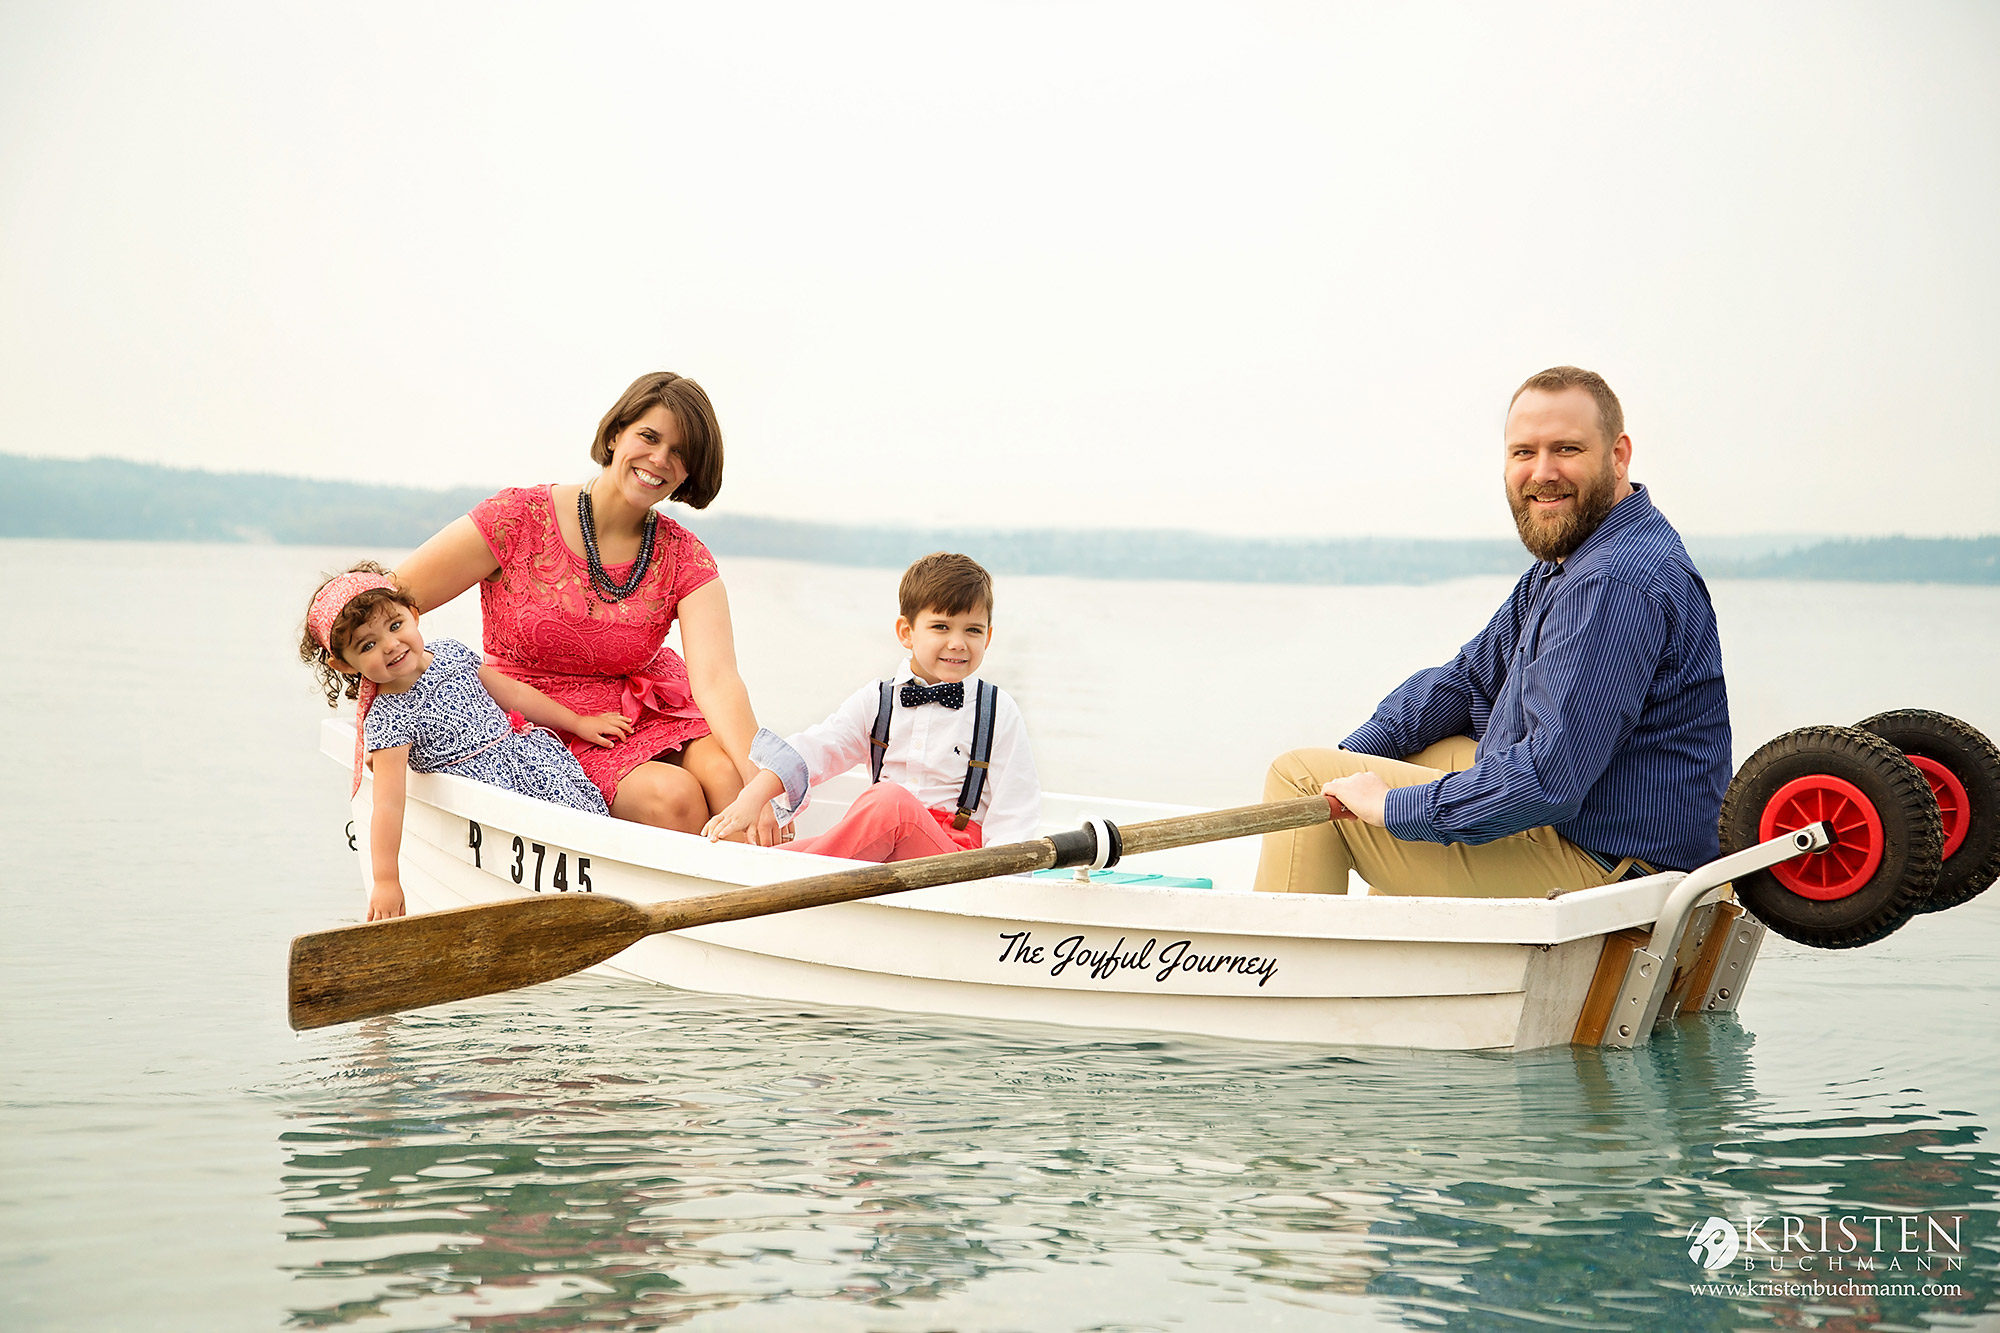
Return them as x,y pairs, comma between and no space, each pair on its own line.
701,435
352,617
946,583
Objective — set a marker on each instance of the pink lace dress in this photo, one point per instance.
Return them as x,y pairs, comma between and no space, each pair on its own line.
546,626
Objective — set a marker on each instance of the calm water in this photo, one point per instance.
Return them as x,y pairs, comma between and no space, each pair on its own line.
601,1155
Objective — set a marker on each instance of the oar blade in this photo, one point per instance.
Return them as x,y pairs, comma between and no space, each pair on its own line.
410,962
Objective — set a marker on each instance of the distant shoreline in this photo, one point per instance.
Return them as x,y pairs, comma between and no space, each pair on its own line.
86,500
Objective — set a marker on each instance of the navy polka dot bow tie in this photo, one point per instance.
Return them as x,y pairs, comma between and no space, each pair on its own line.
951,694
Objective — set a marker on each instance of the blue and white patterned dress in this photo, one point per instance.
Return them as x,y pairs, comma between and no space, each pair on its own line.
451,724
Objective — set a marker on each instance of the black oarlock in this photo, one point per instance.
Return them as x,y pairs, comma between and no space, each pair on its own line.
1098,844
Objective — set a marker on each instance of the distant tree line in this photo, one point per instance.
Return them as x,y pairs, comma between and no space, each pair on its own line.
117,500
104,499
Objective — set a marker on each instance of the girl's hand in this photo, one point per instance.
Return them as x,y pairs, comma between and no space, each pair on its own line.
386,901
740,814
606,729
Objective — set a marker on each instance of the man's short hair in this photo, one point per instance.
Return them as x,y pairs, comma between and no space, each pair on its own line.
944,582
1610,416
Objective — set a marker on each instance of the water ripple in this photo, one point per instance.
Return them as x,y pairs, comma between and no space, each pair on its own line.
619,1158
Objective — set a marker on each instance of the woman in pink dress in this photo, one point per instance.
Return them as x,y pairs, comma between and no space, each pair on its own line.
578,586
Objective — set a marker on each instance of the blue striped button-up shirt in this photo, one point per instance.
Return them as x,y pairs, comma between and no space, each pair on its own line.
1596,696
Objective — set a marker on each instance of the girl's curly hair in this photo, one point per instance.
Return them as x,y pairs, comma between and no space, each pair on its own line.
353,616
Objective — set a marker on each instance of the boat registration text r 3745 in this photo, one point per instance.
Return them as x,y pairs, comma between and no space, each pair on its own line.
526,862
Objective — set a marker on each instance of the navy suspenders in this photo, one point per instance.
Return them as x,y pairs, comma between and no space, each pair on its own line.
878,739
982,751
975,767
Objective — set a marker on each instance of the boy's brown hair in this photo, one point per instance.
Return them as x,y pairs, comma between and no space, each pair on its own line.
352,617
946,582
701,434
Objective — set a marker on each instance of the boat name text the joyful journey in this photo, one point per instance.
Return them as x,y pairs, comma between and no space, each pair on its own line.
1100,963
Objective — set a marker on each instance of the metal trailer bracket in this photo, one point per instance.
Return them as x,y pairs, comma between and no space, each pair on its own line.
1649,972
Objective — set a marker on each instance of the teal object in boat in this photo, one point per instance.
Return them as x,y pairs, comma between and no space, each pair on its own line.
1127,877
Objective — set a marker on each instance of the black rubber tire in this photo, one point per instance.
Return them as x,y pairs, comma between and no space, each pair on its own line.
1974,761
1911,831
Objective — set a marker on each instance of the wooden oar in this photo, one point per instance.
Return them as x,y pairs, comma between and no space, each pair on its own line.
384,967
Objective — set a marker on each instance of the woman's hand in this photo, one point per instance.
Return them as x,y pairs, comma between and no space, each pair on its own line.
606,729
386,901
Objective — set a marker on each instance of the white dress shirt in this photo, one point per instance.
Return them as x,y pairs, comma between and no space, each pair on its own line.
928,750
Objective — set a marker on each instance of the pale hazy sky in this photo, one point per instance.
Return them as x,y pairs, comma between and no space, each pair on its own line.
1250,268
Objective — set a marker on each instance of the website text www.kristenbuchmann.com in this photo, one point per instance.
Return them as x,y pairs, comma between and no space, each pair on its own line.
1848,1287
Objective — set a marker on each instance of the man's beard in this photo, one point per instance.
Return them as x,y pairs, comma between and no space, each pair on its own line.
1554,539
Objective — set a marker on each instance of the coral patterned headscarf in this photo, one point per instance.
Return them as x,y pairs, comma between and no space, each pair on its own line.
327,605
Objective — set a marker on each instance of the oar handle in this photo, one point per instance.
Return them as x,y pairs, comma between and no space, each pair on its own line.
1080,847
1214,825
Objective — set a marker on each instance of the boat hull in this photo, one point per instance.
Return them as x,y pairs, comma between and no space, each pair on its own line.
1366,970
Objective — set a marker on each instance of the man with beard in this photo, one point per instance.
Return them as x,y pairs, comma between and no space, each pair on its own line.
1582,737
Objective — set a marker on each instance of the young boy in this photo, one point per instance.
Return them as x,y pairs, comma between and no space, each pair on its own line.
949,754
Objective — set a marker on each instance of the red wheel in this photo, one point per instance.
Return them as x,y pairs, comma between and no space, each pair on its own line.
1854,857
1963,770
1954,806
1880,870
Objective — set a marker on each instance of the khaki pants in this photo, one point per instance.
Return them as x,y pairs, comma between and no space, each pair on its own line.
1317,859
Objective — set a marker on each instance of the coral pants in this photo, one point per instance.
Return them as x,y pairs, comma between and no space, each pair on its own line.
888,823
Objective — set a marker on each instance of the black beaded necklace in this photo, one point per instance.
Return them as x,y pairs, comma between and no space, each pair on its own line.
601,581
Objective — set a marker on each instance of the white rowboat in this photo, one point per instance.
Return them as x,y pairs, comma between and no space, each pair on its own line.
1170,941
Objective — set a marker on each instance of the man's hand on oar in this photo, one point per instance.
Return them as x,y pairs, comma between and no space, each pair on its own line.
1363,796
384,967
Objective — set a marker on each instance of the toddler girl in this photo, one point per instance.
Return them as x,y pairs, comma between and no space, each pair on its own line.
435,709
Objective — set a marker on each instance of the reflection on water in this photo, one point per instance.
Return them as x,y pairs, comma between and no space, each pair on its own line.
599,1158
